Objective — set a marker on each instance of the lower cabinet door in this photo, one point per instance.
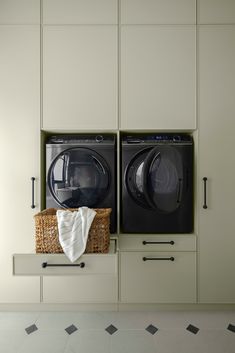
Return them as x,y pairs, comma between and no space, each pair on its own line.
80,289
158,277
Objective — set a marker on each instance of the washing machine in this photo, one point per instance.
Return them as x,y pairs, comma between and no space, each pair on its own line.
157,183
81,171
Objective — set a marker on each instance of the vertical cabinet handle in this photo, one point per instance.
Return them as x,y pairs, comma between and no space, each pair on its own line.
33,180
205,202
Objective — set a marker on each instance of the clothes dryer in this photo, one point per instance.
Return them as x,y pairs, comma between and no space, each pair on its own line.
157,183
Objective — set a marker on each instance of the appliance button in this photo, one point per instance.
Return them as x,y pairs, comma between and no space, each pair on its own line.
99,138
176,138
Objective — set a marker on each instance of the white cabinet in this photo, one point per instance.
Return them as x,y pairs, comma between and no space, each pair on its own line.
19,145
158,268
85,289
217,163
80,77
216,11
158,68
96,281
158,11
158,277
150,242
80,11
19,11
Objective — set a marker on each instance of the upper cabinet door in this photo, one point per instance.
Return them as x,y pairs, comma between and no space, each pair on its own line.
19,11
158,77
80,77
216,11
158,11
80,11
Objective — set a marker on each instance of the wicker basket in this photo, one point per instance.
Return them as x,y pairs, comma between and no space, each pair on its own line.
46,232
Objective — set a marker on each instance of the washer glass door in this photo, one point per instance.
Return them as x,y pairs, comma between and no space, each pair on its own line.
78,177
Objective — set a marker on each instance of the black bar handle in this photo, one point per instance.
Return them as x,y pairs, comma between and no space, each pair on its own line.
179,191
158,242
45,264
204,181
159,258
33,180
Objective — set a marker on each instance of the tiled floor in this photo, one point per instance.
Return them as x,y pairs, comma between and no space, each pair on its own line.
117,332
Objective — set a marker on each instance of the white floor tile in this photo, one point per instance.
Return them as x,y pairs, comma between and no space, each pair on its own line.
11,340
132,341
217,341
178,341
210,319
17,320
45,342
55,320
128,320
182,341
93,321
200,319
89,341
168,319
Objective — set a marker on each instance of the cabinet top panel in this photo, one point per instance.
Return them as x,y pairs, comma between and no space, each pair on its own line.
80,11
19,11
216,11
158,11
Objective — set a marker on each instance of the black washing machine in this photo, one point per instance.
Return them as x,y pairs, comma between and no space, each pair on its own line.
81,171
157,183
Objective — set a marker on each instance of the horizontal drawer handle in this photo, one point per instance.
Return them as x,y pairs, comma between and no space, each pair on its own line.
158,242
45,264
159,258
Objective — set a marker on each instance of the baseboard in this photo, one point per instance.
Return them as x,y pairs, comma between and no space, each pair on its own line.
115,307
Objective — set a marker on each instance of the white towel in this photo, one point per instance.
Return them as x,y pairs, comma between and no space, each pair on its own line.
73,230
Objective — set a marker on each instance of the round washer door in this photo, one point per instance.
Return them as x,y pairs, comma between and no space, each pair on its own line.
78,177
154,178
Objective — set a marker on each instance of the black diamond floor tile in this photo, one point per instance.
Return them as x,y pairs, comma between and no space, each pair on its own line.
71,329
31,329
192,329
231,328
151,329
111,329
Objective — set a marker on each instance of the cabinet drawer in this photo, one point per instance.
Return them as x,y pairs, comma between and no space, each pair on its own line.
157,242
80,289
158,281
32,264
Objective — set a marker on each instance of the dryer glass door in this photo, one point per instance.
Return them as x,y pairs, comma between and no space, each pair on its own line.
78,177
134,180
163,178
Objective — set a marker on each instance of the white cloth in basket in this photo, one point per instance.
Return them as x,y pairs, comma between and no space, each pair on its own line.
73,230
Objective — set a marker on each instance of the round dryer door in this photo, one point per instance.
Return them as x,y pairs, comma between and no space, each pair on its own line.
163,178
154,178
78,177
